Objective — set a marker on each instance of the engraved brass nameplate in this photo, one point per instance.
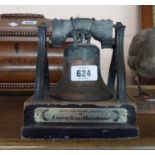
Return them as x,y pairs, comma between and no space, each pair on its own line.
80,115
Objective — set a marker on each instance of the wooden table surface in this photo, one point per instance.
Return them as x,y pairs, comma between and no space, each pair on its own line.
11,120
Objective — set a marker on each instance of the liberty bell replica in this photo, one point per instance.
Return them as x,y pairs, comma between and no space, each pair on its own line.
81,78
81,106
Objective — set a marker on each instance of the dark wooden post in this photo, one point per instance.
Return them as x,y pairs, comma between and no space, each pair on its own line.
146,16
121,75
42,72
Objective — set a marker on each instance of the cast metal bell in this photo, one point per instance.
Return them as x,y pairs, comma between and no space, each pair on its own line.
81,79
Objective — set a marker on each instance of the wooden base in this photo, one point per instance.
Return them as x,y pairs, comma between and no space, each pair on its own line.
84,132
78,129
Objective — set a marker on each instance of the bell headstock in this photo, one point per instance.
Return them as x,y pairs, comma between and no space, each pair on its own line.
82,28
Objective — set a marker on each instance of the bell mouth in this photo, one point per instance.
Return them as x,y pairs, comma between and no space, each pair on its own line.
74,93
80,97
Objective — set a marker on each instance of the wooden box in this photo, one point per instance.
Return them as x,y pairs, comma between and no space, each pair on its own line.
18,51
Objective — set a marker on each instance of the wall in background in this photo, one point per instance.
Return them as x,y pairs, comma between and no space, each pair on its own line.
128,15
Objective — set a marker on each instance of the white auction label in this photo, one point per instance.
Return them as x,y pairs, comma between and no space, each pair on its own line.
84,73
29,22
13,24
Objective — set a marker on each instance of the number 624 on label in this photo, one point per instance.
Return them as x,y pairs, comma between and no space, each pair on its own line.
84,73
